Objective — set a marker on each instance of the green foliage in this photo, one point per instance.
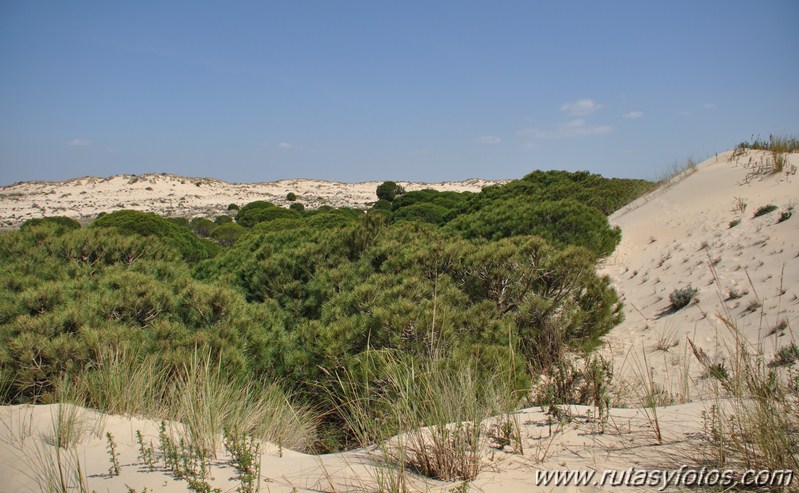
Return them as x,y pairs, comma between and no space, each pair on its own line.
227,234
223,219
389,190
202,226
296,206
60,222
382,205
232,207
183,222
261,211
785,215
291,196
564,222
149,224
425,212
605,194
774,143
501,282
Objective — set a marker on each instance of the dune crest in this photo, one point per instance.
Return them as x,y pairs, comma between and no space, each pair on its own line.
171,195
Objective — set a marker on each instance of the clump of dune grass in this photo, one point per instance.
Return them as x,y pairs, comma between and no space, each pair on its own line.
420,414
199,395
207,402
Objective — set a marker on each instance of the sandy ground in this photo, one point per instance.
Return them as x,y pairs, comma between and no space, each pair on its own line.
170,195
673,238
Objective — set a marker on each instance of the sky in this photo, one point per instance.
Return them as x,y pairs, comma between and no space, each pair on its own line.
250,91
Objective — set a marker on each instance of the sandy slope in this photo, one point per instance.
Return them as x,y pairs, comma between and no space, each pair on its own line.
627,442
169,195
670,240
673,237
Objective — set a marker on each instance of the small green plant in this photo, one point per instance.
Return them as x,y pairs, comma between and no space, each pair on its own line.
291,196
145,452
734,223
785,215
680,298
763,210
113,470
246,454
786,356
296,206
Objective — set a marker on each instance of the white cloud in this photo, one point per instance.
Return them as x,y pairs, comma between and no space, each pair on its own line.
709,106
79,143
582,107
488,139
285,145
633,115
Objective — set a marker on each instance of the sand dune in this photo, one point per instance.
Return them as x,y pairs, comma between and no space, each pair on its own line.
679,237
170,195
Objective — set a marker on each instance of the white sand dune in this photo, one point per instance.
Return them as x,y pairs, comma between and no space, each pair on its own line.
170,195
675,238
671,239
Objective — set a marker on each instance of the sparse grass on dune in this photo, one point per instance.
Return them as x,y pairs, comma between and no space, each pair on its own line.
424,415
677,171
778,146
199,395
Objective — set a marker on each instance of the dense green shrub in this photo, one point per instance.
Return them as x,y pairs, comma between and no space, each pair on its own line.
423,211
564,222
296,206
499,282
223,219
227,234
605,194
61,222
382,205
291,196
261,211
148,224
389,190
73,296
202,226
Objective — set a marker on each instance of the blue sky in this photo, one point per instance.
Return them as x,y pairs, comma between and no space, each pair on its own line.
376,90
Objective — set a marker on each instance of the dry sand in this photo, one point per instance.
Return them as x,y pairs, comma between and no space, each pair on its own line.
170,195
671,238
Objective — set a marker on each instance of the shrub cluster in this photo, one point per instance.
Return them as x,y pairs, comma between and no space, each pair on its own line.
497,281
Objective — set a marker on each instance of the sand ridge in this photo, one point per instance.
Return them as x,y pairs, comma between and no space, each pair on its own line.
170,195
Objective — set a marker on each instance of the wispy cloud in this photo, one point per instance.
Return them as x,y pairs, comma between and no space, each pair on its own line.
280,145
709,106
570,129
633,115
582,107
80,143
488,139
